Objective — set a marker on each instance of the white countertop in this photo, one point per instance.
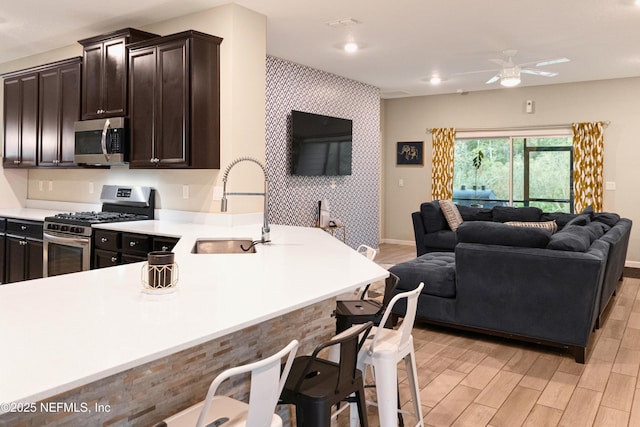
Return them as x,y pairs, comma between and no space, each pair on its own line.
69,330
27,213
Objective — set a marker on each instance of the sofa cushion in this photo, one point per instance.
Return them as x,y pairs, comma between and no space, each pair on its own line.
547,225
493,233
608,218
573,238
435,269
451,214
443,240
432,217
471,213
510,213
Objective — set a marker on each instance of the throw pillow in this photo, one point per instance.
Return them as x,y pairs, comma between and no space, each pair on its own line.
573,238
510,213
581,219
451,213
561,218
596,230
494,233
608,218
547,225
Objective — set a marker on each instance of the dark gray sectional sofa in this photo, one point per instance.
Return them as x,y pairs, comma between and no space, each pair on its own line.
520,282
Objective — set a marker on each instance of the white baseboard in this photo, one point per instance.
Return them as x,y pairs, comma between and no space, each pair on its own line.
632,264
398,242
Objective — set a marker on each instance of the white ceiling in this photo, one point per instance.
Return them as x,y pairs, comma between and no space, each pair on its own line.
403,42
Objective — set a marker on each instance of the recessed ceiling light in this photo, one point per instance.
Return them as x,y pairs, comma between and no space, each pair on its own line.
350,47
435,80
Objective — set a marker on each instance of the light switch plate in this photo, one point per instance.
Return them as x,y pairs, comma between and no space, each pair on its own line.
610,185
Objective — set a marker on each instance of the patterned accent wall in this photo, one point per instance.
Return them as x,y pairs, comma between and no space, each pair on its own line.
353,199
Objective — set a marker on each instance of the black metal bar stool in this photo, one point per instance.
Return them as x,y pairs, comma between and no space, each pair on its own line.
315,385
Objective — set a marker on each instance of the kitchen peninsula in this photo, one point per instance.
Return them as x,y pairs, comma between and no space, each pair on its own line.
92,348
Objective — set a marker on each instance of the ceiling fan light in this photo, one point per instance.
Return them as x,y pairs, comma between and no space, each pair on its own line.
510,77
510,81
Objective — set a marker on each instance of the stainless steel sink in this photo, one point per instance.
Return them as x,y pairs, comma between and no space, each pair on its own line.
223,246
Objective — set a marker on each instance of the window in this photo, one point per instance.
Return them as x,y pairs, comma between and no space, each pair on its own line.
518,169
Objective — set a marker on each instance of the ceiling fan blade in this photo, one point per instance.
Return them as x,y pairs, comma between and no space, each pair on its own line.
493,70
545,63
493,79
538,72
552,62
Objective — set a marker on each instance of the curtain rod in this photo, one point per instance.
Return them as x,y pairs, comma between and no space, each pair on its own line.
605,123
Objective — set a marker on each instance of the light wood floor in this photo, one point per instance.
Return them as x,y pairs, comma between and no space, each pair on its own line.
475,380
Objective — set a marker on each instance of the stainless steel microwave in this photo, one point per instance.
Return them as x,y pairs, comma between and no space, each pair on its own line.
101,142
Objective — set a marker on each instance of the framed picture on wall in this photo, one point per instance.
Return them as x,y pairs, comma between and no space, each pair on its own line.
410,153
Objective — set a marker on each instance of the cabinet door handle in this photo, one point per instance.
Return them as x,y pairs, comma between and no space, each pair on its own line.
132,244
114,259
23,242
104,240
23,227
165,248
16,162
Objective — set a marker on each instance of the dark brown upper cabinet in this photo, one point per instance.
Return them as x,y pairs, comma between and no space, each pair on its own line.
174,102
41,105
104,77
59,108
20,120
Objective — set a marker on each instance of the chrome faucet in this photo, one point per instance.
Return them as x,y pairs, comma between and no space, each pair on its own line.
265,194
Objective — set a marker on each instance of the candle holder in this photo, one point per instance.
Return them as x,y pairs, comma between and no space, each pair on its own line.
159,273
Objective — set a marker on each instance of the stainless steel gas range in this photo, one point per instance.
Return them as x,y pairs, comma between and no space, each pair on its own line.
67,236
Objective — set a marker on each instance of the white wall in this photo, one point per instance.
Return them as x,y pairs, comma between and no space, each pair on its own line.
242,85
407,119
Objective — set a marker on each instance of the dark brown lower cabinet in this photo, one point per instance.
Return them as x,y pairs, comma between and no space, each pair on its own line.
102,258
114,247
23,258
2,258
23,250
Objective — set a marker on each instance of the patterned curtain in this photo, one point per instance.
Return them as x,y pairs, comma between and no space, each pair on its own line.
588,147
442,168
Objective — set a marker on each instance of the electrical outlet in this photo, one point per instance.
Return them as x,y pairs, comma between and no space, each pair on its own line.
40,186
91,189
185,192
401,182
610,185
50,185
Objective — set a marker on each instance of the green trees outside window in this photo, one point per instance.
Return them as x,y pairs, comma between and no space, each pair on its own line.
514,171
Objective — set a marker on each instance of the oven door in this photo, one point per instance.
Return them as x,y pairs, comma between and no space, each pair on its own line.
64,254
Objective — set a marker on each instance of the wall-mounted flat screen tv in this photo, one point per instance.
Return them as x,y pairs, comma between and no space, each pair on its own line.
321,145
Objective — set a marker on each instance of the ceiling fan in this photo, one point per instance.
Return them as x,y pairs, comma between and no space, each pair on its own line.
509,74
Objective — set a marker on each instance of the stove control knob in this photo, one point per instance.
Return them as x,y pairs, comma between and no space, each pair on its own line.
78,230
64,228
53,226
